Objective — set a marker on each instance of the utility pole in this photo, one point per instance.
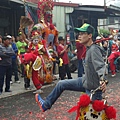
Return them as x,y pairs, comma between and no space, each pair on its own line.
104,4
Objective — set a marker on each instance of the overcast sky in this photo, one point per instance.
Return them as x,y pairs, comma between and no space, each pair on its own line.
91,2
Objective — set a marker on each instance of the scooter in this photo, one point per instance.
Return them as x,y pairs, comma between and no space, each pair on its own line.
73,64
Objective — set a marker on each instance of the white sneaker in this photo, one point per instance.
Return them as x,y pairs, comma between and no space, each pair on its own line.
38,91
18,81
11,82
28,88
113,75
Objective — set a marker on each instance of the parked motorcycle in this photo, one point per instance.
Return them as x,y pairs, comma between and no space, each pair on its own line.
73,65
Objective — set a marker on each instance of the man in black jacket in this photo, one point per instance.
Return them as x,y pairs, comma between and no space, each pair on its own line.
6,53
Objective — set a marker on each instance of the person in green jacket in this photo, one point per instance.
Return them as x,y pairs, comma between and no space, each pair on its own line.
22,45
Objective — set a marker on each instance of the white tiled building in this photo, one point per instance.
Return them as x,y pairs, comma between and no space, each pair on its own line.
110,22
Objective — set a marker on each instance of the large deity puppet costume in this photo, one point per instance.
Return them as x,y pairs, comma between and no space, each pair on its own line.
37,61
45,25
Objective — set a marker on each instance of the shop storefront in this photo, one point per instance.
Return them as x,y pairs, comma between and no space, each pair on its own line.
10,13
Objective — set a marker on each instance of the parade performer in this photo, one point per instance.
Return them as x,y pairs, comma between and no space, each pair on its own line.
47,29
24,22
115,53
40,59
37,61
94,70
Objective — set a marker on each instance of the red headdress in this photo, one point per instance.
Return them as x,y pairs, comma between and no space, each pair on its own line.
35,34
45,8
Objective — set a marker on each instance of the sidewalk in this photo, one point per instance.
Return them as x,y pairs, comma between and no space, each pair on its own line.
18,88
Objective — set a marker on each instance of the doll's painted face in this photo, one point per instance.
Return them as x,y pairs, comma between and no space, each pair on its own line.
88,113
35,41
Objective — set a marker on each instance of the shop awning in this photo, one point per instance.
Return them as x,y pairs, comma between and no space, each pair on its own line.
100,12
17,1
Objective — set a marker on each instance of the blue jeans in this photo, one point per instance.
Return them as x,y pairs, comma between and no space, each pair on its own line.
71,84
96,96
80,68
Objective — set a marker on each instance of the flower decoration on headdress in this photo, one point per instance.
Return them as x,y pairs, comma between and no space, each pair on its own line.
35,35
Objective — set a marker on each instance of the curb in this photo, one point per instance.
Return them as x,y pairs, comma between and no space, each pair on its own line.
25,91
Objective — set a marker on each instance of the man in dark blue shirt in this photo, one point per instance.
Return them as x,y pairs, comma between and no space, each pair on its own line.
14,60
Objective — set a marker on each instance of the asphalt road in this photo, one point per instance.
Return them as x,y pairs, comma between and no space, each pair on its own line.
24,107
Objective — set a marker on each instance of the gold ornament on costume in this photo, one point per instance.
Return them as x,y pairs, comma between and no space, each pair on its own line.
37,64
48,67
29,70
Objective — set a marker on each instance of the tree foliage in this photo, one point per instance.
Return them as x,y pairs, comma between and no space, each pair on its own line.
104,32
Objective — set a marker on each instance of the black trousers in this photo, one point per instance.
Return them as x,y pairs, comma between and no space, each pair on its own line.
5,71
54,66
63,70
26,82
15,69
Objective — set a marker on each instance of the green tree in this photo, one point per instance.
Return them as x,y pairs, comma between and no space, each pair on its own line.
104,32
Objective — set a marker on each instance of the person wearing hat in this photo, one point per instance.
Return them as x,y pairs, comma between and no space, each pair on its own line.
94,70
22,48
62,53
14,60
6,53
34,56
21,45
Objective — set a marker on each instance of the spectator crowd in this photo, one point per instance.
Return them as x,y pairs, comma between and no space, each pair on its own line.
11,47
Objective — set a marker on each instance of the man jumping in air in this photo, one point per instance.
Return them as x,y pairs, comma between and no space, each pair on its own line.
94,67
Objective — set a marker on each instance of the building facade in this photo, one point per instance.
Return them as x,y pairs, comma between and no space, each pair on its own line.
10,13
66,16
109,23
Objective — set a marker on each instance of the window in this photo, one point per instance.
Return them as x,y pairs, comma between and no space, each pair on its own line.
111,20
